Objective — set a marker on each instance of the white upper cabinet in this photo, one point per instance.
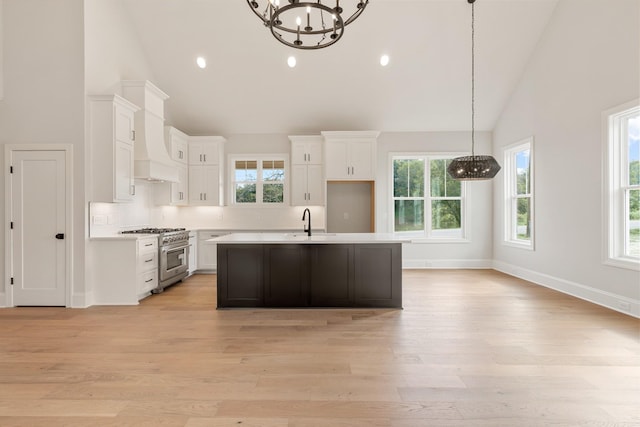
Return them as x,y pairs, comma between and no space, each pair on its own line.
111,136
350,155
177,143
307,181
206,170
175,193
306,150
206,150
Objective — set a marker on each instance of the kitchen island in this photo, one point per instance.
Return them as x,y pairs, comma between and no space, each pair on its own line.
322,270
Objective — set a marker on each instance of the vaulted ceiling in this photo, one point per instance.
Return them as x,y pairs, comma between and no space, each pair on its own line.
248,87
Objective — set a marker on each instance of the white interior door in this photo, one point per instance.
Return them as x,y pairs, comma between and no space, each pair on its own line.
38,216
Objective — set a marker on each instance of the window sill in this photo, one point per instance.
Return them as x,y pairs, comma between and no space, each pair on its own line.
626,263
519,245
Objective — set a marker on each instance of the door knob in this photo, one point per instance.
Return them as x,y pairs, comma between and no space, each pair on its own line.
60,236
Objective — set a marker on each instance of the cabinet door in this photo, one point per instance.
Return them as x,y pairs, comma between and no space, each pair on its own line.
123,171
210,154
315,185
124,124
179,150
240,277
204,185
332,275
179,189
207,255
211,185
361,160
336,164
196,184
195,153
378,275
314,153
299,185
298,153
286,276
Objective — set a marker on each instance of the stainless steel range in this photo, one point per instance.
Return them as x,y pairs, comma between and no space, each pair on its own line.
173,254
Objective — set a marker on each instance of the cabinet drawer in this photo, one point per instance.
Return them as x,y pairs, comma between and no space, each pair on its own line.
204,235
147,281
147,245
147,261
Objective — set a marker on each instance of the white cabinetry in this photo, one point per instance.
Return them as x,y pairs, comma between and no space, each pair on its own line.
123,270
175,193
307,183
207,251
193,252
205,170
111,135
350,155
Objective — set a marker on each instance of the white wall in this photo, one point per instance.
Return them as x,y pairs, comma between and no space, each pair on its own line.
586,62
477,251
43,99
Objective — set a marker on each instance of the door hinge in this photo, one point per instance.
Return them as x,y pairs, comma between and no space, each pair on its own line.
10,169
11,225
12,280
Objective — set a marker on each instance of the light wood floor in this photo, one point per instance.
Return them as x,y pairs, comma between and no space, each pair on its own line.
470,348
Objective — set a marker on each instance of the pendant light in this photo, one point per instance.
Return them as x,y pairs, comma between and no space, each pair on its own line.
473,167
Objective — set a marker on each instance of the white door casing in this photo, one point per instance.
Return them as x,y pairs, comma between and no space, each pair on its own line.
38,206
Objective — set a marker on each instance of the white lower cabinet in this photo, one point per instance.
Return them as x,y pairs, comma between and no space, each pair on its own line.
123,271
207,251
193,252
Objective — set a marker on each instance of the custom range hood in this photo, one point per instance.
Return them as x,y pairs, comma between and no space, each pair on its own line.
151,159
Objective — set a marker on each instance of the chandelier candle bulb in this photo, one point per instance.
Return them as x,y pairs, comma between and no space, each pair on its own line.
308,28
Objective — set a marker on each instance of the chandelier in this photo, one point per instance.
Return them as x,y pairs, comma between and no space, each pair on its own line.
307,24
473,167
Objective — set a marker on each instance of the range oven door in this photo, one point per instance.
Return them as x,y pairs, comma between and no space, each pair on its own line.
174,260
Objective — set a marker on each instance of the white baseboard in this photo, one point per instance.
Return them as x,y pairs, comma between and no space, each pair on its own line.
597,296
3,299
447,263
79,300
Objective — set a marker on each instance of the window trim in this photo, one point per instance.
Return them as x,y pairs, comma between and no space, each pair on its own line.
259,158
614,201
425,235
510,195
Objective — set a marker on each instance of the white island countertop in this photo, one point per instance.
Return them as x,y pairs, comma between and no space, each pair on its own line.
302,238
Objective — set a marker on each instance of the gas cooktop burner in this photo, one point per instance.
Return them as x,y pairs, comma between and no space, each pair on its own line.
152,230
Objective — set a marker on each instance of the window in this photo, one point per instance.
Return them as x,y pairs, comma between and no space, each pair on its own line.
436,213
258,180
518,190
622,190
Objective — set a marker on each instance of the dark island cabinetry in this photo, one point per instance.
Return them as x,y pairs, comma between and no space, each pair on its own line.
310,275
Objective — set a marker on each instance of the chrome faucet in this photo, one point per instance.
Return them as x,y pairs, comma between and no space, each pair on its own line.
307,228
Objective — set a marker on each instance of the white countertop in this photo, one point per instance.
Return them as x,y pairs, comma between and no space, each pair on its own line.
302,238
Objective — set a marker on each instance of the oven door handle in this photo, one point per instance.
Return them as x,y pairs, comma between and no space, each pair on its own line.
175,248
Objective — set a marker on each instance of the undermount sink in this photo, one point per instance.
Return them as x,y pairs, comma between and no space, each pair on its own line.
303,234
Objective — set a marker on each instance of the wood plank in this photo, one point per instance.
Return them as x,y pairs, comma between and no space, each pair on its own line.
470,348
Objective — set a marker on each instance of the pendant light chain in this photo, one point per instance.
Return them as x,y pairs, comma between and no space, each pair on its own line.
473,80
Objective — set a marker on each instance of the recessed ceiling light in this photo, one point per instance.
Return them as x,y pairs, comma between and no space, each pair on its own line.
384,60
202,63
291,61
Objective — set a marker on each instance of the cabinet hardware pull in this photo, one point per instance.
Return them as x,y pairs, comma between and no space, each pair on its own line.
205,158
148,244
147,281
133,190
148,260
133,135
201,157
